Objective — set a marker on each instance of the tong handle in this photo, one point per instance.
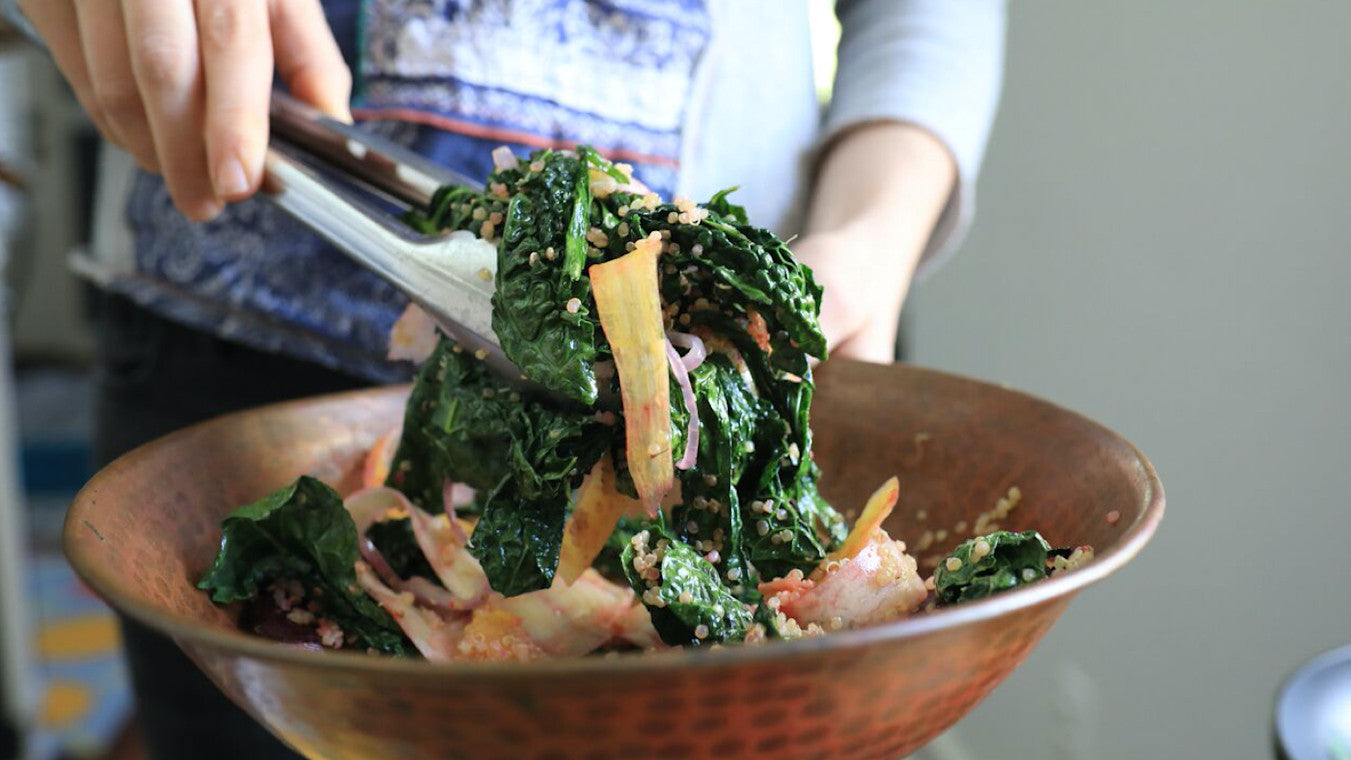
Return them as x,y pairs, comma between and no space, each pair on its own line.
381,163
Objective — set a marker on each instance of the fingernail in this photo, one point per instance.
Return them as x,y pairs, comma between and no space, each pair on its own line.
230,178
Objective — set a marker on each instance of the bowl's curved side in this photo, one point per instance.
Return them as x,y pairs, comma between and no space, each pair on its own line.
881,702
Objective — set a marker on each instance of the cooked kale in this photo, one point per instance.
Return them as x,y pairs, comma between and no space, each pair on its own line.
465,425
540,219
1013,559
455,208
711,509
540,262
738,269
302,533
752,495
695,607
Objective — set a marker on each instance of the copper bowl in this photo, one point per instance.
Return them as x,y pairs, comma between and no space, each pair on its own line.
145,528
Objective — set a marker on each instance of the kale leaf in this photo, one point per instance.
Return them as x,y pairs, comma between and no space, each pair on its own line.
536,279
301,532
539,220
695,608
465,425
735,268
800,528
517,541
1013,559
455,208
711,510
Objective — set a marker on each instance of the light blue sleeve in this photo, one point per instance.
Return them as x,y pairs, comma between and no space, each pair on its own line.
934,63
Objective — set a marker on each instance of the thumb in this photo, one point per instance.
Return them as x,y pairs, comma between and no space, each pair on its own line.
308,59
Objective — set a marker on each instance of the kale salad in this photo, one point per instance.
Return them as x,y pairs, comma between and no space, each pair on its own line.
663,492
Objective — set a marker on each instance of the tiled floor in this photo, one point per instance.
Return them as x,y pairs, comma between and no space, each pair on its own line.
85,698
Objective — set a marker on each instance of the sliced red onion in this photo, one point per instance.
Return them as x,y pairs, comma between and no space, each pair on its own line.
503,158
682,377
369,505
378,563
424,592
454,566
696,353
435,635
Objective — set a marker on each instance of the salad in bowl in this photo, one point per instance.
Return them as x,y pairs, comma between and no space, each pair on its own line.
661,491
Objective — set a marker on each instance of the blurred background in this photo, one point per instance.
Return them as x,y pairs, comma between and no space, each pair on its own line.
1161,245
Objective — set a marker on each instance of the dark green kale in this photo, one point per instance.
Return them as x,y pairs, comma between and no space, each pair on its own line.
740,284
517,541
752,495
395,541
465,425
711,512
730,212
540,221
689,604
456,208
736,269
786,524
540,262
799,527
303,533
1012,560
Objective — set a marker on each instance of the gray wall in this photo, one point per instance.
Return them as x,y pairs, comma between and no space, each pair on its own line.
1162,245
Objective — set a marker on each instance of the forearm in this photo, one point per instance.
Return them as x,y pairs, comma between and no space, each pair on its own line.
885,183
880,188
934,64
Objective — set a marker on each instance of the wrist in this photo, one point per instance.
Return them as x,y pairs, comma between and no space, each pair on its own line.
884,184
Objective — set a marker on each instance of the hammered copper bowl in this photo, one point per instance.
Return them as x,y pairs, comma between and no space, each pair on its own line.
143,530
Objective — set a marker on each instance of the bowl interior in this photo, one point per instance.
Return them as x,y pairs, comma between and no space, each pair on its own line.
144,529
958,446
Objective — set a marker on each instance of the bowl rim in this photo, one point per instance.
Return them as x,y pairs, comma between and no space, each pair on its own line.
241,644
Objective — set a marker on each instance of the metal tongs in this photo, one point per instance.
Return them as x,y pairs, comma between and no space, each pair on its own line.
349,187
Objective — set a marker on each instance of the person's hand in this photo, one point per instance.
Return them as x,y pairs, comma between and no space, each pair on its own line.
865,284
877,196
184,85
